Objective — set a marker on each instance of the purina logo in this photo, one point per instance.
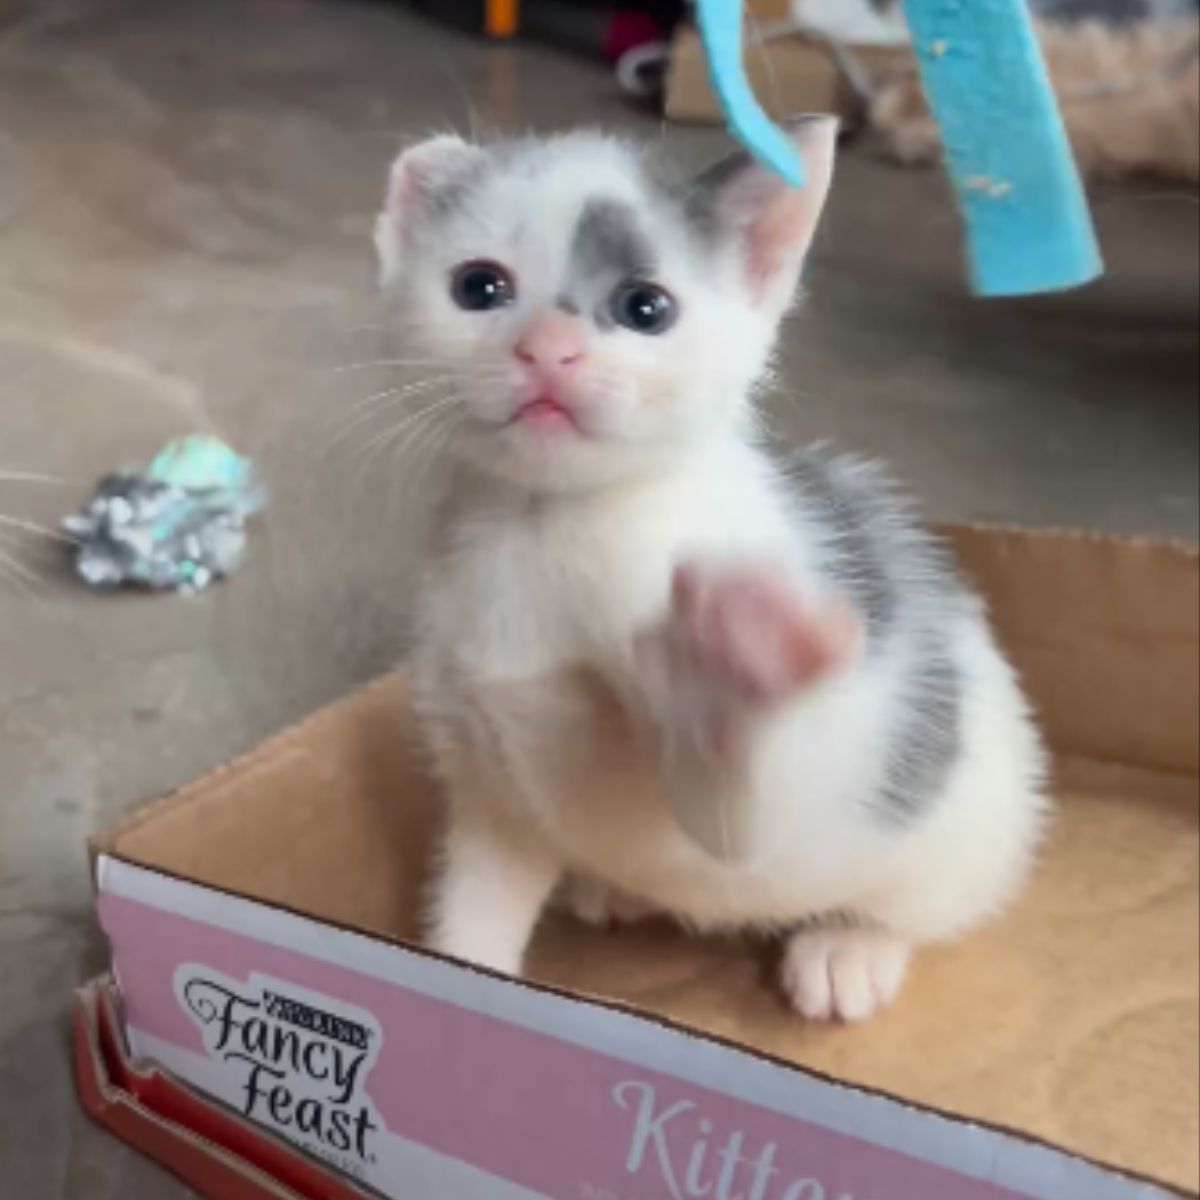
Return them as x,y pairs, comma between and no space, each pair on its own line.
294,1060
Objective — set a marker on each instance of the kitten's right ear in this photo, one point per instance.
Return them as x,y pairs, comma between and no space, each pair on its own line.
773,223
420,179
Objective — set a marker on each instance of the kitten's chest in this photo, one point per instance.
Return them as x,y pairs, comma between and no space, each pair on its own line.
516,592
516,599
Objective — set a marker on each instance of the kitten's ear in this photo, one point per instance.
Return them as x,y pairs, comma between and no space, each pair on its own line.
773,221
423,177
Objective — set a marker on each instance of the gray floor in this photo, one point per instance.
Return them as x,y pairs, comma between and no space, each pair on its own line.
185,196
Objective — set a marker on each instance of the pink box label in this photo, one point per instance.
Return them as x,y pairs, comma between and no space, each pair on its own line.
343,1062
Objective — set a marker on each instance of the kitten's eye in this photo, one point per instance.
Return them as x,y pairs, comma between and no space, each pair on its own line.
481,285
644,307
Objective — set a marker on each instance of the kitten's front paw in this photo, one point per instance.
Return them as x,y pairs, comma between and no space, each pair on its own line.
741,638
843,974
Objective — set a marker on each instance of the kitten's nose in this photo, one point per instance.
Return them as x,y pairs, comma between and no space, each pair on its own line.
552,341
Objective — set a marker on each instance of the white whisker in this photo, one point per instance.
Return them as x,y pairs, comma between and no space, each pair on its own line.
427,449
424,435
419,385
30,477
17,573
18,523
389,436
433,453
387,362
375,405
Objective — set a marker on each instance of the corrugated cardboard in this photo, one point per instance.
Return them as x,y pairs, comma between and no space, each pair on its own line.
1073,1020
789,75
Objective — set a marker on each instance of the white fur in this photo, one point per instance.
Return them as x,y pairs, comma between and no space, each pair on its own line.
522,617
550,560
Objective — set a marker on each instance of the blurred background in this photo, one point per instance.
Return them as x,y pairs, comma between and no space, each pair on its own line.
186,196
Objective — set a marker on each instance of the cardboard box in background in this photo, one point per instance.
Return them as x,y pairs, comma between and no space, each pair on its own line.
789,75
258,920
768,11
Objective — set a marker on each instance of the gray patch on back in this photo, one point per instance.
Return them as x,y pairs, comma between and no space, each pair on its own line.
925,744
904,586
608,240
857,517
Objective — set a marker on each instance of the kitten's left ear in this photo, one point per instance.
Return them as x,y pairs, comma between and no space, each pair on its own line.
773,221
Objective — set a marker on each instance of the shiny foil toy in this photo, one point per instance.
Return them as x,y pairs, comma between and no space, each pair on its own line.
176,524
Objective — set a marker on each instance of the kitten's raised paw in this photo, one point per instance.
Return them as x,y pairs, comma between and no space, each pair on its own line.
748,628
747,631
843,974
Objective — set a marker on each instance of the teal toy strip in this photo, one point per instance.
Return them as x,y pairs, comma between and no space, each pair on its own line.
1028,225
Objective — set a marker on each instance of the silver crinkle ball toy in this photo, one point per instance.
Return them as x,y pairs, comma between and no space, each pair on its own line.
178,523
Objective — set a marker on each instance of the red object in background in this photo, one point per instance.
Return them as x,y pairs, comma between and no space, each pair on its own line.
630,29
598,28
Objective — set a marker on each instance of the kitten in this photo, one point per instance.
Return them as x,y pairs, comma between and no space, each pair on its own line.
746,694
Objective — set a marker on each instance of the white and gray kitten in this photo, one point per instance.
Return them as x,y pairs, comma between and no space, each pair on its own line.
743,693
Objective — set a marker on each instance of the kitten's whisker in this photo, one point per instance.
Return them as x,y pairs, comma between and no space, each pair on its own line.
428,448
370,364
407,452
425,433
424,445
434,453
23,526
372,406
389,436
30,477
419,385
410,433
17,573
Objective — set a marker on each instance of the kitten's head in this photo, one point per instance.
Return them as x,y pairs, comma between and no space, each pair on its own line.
583,317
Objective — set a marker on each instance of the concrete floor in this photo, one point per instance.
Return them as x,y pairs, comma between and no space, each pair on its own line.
185,197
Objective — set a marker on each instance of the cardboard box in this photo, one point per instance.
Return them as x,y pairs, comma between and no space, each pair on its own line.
217,1151
789,75
259,922
768,11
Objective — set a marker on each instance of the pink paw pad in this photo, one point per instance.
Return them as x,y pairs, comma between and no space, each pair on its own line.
747,628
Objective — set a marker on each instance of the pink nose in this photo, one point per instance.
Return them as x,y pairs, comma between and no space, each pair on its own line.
552,341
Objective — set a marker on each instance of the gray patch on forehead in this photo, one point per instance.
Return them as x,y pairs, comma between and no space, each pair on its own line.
926,742
608,240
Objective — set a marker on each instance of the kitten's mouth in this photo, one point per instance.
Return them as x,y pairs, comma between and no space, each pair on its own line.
546,415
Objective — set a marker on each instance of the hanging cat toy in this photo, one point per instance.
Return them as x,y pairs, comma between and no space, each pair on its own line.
1028,226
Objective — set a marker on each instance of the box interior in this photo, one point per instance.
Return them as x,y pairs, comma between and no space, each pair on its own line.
1074,1019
